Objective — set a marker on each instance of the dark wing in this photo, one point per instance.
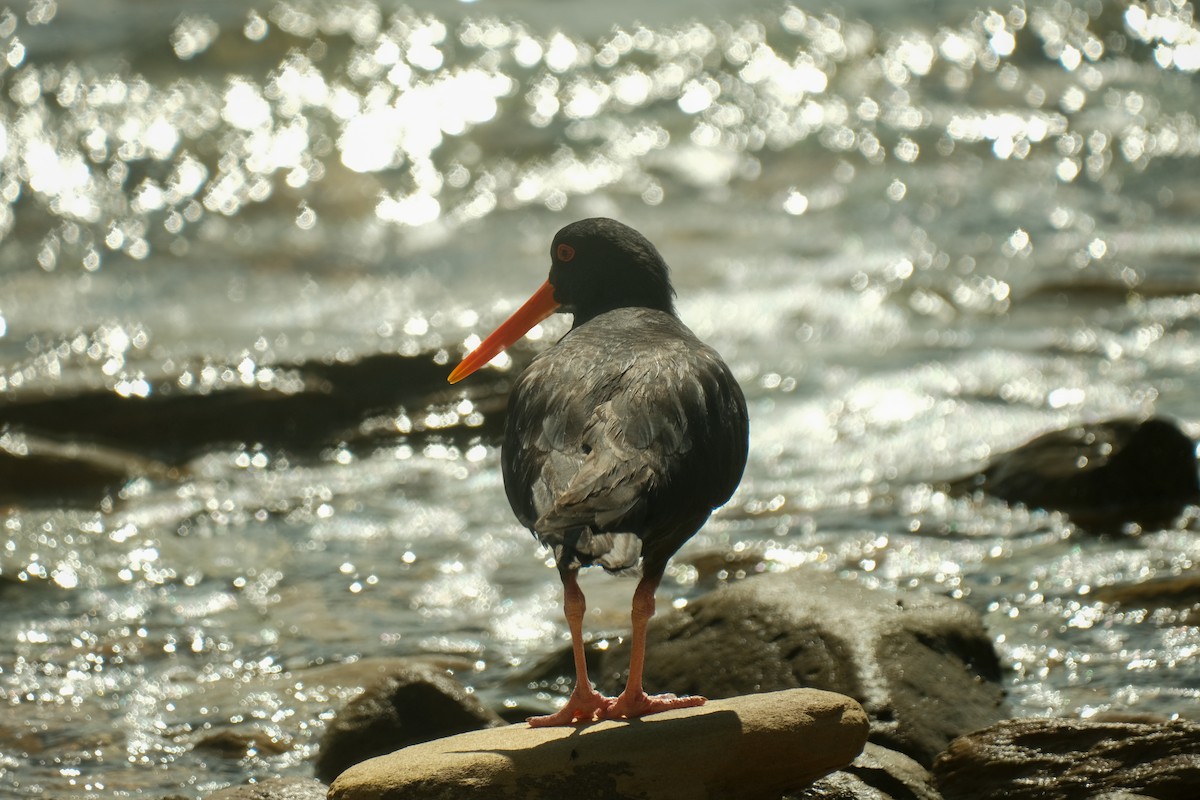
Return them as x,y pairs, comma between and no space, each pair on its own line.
613,434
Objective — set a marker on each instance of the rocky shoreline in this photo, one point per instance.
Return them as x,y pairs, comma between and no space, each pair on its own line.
921,666
79,447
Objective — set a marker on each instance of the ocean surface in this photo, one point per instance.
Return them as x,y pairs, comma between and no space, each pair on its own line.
921,234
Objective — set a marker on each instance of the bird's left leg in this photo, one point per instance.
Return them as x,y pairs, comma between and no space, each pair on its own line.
585,703
634,702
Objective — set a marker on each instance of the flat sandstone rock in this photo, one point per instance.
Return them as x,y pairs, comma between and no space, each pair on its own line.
754,747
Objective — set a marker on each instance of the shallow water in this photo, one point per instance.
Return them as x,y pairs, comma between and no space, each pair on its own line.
920,238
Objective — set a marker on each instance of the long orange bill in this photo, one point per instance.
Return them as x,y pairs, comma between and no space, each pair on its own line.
536,309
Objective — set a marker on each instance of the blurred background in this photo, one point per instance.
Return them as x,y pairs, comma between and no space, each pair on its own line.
241,245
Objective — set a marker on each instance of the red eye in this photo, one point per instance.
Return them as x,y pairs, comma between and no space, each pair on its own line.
565,252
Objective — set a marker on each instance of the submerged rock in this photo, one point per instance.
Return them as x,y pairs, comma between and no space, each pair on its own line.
80,447
42,470
234,743
1172,591
1101,474
750,748
302,409
922,666
275,789
1062,759
409,703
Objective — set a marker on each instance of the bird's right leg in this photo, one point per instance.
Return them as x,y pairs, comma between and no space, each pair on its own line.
585,703
634,702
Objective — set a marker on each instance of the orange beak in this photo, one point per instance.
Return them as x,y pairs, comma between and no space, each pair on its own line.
536,309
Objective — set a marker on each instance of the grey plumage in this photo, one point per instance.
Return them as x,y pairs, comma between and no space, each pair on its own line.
622,439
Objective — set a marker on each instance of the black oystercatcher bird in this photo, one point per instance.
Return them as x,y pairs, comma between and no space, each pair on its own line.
620,440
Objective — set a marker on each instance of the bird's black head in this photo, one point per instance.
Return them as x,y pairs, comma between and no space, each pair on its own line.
600,264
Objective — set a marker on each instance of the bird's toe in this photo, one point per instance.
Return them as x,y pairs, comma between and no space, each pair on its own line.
632,706
581,708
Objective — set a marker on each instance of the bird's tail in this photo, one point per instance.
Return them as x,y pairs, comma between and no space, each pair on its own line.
581,547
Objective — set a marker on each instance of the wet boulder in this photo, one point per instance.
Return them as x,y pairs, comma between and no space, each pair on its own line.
1035,759
41,470
922,665
754,747
1101,474
301,408
1178,592
235,743
877,774
408,704
274,789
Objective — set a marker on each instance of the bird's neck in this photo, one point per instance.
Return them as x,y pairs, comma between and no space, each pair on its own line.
582,316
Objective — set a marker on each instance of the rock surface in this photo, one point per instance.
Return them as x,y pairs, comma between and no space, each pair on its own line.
302,408
404,705
877,774
922,666
1102,474
1062,759
275,789
242,741
80,444
35,469
1172,591
753,748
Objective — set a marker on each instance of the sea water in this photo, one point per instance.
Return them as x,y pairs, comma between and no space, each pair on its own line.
920,234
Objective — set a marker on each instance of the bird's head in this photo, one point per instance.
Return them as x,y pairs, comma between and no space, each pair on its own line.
600,264
596,265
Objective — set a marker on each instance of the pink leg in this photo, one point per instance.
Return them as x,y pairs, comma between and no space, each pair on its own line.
634,702
585,703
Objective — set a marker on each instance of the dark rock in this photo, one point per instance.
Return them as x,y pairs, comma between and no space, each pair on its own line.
18,739
408,705
316,405
1175,591
40,470
922,666
274,789
356,675
1102,474
241,742
877,774
1064,759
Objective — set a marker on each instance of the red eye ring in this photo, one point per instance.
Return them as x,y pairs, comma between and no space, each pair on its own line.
565,252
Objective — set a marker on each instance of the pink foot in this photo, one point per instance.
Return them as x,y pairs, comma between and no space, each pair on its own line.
633,706
582,707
